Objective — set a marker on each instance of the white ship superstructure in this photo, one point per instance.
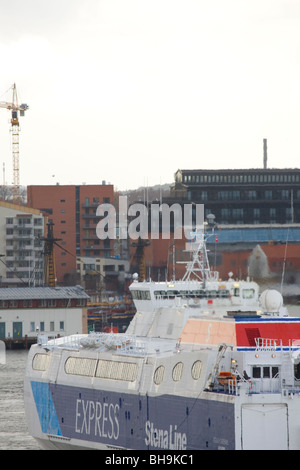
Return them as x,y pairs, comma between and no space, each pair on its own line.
182,377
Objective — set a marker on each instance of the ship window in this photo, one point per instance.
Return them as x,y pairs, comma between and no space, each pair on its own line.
102,369
160,293
196,370
140,295
172,293
159,375
265,372
177,371
145,295
223,293
117,370
211,294
80,366
184,293
248,293
40,362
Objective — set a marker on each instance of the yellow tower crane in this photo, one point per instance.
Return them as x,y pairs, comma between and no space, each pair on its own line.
14,107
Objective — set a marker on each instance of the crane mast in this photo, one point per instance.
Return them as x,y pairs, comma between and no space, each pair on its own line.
14,107
49,258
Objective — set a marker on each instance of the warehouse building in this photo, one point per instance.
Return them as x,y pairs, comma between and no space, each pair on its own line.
53,311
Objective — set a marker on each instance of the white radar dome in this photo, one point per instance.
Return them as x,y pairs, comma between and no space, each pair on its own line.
271,300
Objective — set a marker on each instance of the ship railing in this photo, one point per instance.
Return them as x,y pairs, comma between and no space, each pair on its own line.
249,385
267,344
290,390
150,346
233,385
50,342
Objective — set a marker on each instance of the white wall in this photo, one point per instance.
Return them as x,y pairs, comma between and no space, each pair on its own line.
72,318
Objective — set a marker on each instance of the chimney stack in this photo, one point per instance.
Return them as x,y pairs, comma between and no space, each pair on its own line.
265,154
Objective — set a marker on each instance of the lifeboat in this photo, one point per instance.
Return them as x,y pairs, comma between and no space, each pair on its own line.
225,377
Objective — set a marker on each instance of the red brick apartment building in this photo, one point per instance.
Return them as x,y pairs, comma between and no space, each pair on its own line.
73,212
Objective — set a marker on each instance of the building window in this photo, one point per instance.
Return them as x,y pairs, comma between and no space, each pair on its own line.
268,195
225,214
251,195
42,326
256,213
235,195
285,194
237,213
61,326
288,214
32,326
272,215
52,326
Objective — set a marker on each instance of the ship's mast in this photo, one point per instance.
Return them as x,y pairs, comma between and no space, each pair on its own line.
199,267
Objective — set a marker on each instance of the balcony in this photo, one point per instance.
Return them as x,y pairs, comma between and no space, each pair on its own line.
87,205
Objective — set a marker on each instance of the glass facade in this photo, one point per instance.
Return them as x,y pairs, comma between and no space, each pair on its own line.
254,196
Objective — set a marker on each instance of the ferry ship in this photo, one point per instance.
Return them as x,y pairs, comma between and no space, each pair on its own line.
204,364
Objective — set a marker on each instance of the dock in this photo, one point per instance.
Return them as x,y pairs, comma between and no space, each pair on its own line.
19,343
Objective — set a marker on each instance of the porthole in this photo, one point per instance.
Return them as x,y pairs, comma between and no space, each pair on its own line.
159,375
196,370
177,371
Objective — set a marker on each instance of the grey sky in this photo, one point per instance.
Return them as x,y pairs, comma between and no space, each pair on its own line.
130,91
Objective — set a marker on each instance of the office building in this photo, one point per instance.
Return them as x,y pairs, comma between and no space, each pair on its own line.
21,247
247,196
73,211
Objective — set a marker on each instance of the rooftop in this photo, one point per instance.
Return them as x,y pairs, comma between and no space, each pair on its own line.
32,293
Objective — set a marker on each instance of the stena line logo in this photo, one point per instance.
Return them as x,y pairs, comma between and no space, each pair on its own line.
165,438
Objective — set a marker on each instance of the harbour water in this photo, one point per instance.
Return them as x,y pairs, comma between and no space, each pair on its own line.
13,428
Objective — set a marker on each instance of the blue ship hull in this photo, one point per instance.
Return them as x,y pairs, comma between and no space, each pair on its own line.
131,421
